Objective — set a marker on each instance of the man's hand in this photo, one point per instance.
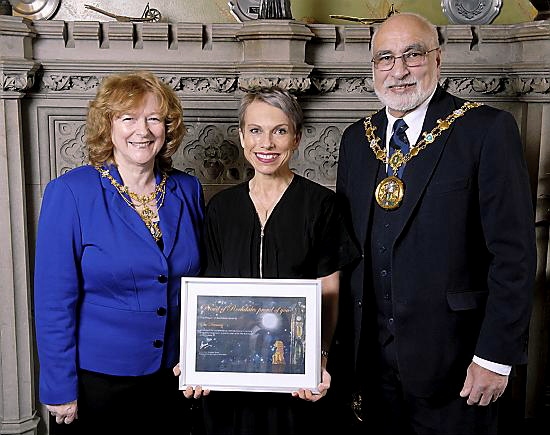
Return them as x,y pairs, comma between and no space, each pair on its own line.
65,413
322,387
482,386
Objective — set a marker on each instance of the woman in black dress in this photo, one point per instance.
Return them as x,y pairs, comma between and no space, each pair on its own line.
277,225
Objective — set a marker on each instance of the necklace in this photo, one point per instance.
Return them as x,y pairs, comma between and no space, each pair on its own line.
390,191
264,209
142,203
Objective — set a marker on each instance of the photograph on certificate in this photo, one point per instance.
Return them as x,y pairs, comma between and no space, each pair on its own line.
248,334
251,334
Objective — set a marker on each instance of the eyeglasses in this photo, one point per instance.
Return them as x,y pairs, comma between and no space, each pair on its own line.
412,58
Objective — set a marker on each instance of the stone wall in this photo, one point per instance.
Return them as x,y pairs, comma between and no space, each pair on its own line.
49,70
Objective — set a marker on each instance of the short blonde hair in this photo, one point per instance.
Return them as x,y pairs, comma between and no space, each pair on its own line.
121,93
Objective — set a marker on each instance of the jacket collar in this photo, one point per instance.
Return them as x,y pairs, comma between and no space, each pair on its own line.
169,213
420,169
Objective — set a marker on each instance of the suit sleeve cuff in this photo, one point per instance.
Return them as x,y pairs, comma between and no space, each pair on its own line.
501,369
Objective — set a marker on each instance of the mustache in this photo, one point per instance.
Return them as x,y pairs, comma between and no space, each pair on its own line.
398,83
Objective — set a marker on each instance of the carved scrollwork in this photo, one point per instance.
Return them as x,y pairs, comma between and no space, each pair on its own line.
356,85
324,85
69,138
485,85
540,85
56,82
497,85
291,84
204,85
491,85
16,82
213,156
519,86
324,153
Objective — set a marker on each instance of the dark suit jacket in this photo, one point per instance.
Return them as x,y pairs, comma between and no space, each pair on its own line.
463,261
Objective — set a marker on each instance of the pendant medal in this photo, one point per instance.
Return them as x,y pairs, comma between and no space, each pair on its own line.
389,193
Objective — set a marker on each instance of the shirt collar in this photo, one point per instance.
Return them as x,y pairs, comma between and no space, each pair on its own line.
414,120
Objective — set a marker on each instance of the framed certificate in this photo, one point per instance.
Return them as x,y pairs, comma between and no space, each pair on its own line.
250,334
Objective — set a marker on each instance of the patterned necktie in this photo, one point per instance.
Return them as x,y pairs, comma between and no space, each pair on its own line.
400,142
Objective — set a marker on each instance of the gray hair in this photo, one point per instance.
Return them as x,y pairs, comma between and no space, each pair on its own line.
276,97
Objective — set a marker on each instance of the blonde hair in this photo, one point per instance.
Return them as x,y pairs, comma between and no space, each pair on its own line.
121,93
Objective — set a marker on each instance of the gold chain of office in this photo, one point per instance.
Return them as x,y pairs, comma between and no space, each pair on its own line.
390,191
141,203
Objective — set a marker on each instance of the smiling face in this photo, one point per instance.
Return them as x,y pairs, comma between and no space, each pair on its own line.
138,135
403,88
268,138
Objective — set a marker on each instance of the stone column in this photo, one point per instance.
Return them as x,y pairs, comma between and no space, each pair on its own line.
17,386
274,54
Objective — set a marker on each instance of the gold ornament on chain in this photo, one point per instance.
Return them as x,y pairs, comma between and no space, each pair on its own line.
390,191
149,217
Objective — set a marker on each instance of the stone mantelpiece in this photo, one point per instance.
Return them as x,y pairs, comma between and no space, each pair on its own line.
50,69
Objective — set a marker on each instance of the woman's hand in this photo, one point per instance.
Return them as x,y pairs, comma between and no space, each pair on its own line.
322,387
195,392
65,413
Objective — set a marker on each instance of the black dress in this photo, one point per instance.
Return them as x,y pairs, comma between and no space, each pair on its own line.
304,237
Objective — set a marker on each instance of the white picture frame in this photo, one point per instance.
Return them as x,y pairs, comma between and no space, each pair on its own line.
247,334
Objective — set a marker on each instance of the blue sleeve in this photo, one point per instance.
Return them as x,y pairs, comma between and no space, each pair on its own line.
57,281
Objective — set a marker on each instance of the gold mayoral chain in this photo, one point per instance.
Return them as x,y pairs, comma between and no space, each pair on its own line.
389,192
140,203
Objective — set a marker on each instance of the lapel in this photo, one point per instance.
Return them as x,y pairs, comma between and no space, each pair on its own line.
169,212
125,212
370,165
420,169
170,215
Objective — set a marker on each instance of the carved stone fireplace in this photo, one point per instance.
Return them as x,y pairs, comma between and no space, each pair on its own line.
49,70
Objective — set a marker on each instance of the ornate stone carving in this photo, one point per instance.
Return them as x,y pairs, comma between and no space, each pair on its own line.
17,82
323,153
68,82
324,85
505,86
56,82
69,139
213,155
201,85
489,85
292,84
356,85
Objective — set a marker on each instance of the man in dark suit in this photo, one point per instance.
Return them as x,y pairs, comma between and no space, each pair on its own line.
443,211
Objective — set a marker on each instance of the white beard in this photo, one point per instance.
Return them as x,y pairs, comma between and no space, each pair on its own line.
404,102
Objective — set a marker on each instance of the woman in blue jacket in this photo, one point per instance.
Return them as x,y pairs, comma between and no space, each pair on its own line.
114,239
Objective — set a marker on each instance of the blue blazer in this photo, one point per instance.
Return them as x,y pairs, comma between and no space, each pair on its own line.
106,297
